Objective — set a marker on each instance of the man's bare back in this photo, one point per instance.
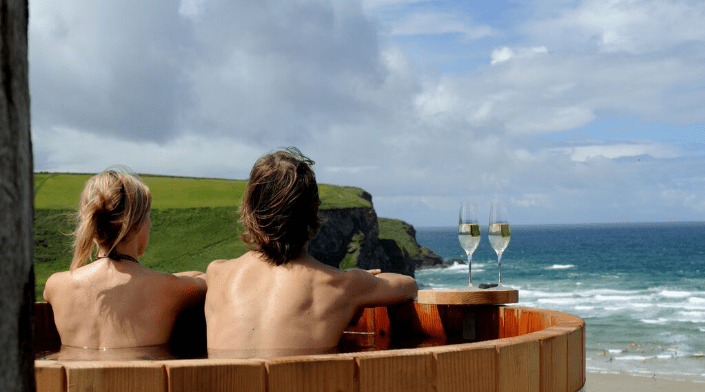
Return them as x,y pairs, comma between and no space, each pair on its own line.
303,306
119,303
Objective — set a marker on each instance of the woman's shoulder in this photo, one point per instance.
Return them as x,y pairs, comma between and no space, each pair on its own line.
63,283
55,282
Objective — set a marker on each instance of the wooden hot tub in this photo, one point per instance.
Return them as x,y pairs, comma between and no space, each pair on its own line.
408,347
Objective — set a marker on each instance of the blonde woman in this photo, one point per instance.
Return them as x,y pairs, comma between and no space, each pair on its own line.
113,302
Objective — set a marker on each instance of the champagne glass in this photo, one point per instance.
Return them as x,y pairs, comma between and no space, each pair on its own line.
468,233
498,232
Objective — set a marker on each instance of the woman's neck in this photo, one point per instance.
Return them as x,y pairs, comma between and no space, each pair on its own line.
126,249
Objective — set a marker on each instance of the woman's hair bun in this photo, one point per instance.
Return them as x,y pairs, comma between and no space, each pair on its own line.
114,205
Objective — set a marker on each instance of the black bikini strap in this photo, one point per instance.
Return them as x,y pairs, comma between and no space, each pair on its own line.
114,255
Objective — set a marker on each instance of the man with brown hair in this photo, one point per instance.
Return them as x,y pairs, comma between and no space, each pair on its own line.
276,299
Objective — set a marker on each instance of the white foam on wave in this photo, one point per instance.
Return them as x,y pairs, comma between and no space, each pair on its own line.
557,301
659,321
683,305
633,358
679,317
563,301
560,266
691,317
617,308
674,294
642,305
544,294
457,266
606,292
621,298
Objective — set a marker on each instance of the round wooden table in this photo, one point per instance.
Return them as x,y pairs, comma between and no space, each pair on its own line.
493,296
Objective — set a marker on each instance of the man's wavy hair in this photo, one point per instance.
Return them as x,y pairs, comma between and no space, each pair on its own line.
280,207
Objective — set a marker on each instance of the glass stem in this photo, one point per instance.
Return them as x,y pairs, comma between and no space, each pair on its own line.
470,270
499,264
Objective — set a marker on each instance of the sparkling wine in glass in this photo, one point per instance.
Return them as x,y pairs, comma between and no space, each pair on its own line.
468,233
498,232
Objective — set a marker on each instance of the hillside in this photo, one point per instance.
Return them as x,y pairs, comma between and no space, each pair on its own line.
194,221
58,191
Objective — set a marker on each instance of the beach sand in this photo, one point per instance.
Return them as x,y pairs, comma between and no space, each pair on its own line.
622,382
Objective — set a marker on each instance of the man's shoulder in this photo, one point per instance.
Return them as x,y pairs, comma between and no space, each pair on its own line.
216,266
224,266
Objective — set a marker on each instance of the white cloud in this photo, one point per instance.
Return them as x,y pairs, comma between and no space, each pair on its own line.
531,201
634,26
351,169
437,23
505,53
187,155
191,8
551,120
679,197
622,150
501,55
437,100
372,5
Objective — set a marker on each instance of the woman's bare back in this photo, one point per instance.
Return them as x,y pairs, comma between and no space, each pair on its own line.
117,304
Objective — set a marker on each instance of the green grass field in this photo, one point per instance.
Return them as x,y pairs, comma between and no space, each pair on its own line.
194,220
61,191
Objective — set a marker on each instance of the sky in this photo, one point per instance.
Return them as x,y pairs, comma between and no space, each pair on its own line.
571,111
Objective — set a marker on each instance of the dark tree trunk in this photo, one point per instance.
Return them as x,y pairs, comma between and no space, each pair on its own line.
16,203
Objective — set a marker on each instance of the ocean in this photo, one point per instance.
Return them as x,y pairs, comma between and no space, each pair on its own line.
640,287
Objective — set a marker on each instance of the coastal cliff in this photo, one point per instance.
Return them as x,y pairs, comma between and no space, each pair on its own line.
356,237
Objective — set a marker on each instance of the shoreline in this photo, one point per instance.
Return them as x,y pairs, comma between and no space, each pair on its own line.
622,382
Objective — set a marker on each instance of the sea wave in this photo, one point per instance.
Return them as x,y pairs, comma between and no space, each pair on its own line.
559,266
679,317
458,266
621,298
659,321
691,317
674,294
594,292
686,305
544,294
633,358
556,301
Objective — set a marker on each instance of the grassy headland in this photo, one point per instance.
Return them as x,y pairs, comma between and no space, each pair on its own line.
194,220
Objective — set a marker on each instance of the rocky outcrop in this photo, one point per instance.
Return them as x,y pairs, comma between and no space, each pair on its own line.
350,237
411,256
350,234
